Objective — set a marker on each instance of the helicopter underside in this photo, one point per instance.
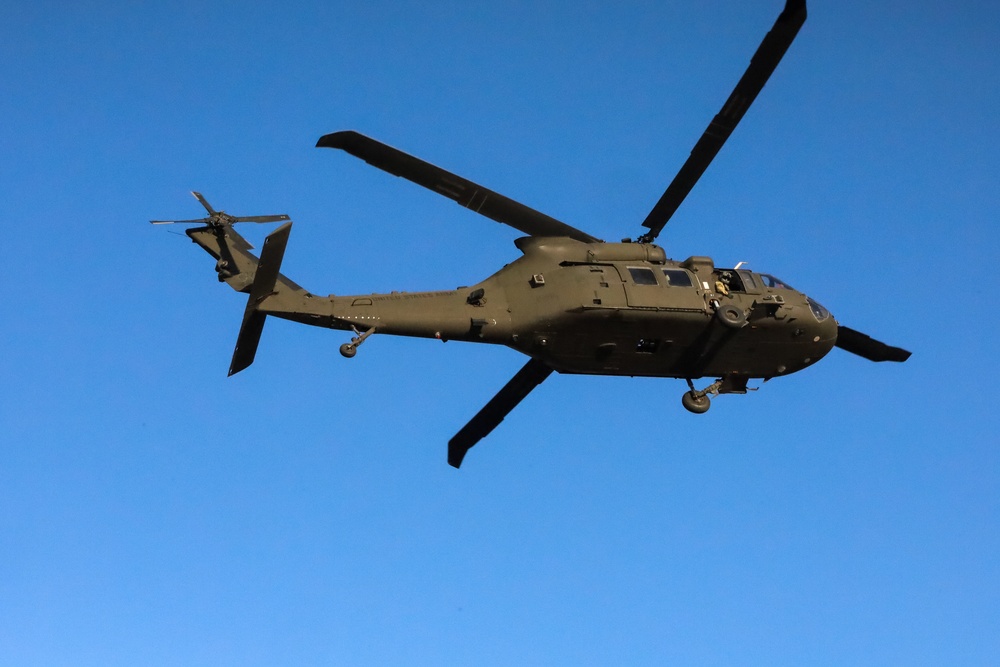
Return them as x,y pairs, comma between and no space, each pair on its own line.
631,342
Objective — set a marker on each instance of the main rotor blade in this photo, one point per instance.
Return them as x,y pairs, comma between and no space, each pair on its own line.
865,346
262,218
179,222
470,195
763,63
530,376
204,202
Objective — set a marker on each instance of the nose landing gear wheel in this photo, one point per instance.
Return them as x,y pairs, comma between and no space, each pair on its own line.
694,403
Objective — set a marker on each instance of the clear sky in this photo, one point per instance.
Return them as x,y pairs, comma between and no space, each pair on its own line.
155,512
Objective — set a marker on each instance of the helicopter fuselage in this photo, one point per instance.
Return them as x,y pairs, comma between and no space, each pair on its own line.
604,309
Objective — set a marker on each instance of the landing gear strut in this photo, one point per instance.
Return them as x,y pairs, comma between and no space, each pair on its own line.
348,350
697,401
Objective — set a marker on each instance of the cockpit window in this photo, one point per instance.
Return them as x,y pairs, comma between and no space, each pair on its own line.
771,281
748,281
818,310
642,275
677,277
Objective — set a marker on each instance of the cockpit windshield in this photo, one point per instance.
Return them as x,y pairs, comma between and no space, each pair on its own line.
818,310
771,281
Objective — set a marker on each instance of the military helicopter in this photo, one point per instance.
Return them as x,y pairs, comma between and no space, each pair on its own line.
572,302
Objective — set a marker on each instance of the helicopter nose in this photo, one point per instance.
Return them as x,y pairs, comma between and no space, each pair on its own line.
828,329
825,329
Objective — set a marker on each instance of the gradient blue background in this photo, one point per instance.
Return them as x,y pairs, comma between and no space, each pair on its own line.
155,512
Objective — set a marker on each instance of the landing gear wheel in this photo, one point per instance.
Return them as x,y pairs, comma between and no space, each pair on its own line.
348,350
694,403
731,316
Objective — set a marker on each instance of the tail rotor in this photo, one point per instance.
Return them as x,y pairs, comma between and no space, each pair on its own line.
221,218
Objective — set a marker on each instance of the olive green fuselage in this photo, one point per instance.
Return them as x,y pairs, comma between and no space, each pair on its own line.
599,308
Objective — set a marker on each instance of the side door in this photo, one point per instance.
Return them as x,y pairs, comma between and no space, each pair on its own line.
660,288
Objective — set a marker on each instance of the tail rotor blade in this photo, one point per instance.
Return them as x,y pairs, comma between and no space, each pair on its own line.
221,218
262,218
204,202
179,222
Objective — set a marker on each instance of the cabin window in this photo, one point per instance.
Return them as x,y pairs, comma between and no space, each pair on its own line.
677,277
642,275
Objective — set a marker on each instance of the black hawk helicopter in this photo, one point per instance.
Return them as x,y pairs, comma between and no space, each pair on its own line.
572,303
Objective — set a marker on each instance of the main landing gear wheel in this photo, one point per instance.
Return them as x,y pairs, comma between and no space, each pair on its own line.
348,350
695,403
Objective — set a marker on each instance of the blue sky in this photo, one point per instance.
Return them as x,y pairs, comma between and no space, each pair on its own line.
154,511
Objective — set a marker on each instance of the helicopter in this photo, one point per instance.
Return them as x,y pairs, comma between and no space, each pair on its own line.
572,302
